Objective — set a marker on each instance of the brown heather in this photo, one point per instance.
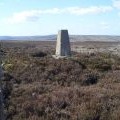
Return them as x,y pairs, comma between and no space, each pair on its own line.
39,87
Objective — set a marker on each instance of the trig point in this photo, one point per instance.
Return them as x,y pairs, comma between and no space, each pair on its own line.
63,45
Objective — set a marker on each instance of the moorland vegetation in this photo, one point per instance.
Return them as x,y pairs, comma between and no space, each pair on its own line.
39,87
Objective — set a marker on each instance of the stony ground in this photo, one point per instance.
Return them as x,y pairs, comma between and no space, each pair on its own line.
93,47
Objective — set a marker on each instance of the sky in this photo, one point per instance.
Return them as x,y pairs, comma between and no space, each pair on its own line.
45,17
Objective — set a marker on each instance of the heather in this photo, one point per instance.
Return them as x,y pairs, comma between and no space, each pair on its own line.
39,87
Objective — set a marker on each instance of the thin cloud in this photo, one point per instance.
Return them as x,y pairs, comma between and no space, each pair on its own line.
23,16
31,16
116,4
89,10
34,15
105,25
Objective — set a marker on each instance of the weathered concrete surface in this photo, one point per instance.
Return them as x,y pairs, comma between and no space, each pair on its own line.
63,44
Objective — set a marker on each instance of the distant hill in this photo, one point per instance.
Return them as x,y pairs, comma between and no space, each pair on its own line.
33,38
94,38
72,38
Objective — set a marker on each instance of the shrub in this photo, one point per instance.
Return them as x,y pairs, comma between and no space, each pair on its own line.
39,54
84,87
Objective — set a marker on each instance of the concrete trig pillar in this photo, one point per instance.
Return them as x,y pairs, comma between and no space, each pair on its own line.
63,44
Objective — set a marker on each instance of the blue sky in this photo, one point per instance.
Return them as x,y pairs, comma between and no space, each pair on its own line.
43,17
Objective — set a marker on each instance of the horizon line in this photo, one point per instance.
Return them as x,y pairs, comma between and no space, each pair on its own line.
56,35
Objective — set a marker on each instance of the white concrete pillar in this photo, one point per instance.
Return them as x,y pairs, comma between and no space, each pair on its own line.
63,44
